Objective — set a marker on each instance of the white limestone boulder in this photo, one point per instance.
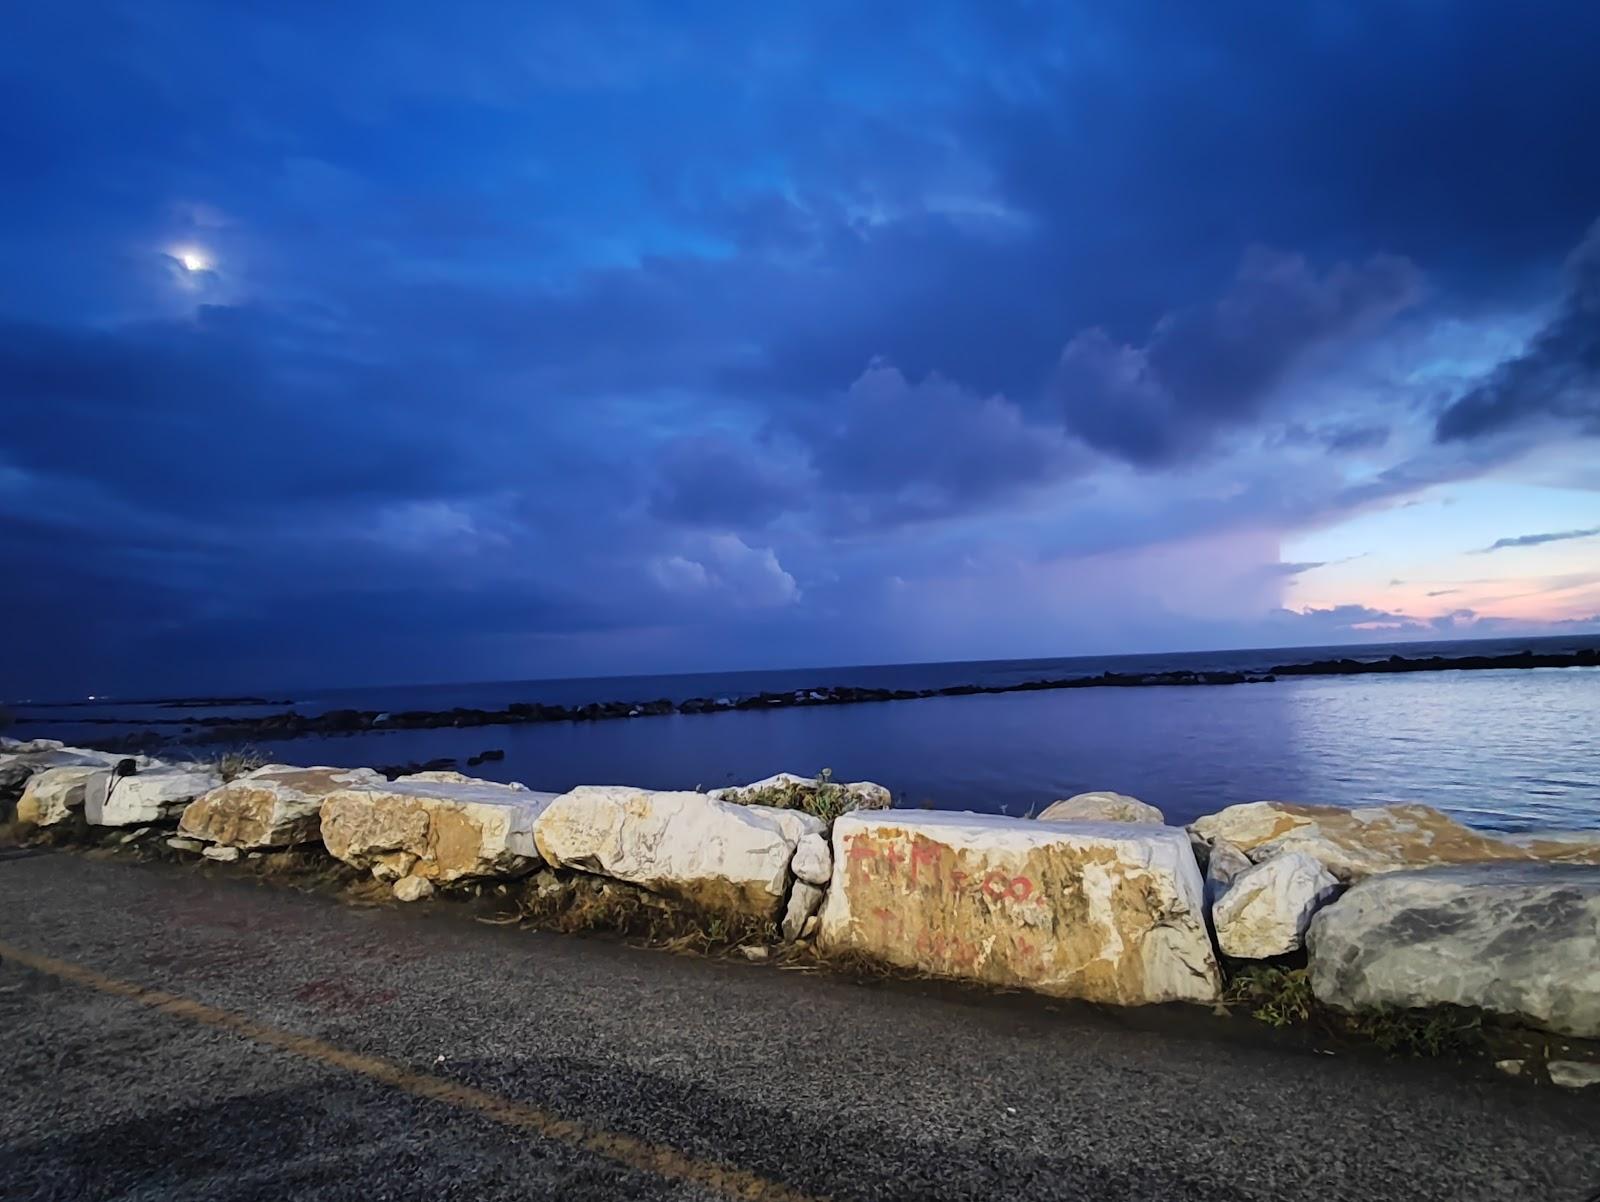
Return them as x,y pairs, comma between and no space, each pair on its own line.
1102,807
1223,866
786,791
712,855
443,831
157,795
10,746
804,899
1109,912
1515,939
37,755
1356,843
275,806
1266,909
813,861
448,776
51,796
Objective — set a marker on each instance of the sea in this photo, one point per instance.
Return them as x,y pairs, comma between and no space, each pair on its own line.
1511,750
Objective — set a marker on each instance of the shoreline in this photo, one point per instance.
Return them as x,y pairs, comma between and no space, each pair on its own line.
291,724
1347,924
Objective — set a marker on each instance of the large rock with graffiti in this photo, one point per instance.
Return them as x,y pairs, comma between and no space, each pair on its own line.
1106,911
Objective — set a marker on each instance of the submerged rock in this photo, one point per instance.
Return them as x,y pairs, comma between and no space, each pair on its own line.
713,855
1265,910
1109,912
51,796
444,831
1102,807
1355,843
274,806
1521,940
160,795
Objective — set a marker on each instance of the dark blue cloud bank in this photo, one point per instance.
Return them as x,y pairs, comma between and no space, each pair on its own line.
369,342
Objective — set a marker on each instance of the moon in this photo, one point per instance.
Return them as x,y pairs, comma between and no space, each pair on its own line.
193,259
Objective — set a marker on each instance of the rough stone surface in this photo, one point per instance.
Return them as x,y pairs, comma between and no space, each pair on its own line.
159,795
1102,807
36,755
178,843
1110,912
275,806
50,796
225,855
812,862
1515,939
1223,866
1355,843
1265,910
445,776
804,899
413,888
443,830
713,855
1573,1074
789,791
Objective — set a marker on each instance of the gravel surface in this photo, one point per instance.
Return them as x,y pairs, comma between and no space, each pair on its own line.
817,1085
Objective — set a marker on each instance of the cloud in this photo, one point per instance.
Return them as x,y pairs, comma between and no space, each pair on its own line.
886,451
1207,369
1535,540
726,568
1442,592
1556,378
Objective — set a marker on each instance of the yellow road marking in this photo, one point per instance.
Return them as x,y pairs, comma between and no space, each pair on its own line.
625,1150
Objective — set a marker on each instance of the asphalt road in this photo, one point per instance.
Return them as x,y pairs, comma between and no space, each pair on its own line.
180,1033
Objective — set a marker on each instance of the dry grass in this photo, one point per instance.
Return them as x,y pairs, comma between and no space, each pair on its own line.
573,904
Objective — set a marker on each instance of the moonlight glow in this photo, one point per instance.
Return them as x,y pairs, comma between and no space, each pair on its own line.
193,259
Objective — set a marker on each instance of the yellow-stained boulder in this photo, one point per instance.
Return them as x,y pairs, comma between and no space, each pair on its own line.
1356,843
442,831
1106,911
50,796
275,806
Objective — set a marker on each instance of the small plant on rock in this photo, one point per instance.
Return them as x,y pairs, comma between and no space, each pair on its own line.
241,761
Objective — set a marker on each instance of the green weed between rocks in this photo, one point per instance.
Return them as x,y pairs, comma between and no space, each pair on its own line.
822,798
1282,997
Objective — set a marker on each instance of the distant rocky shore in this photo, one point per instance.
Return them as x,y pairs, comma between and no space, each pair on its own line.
1395,924
291,724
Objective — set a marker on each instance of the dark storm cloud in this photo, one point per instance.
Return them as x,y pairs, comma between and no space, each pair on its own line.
1214,367
1536,540
1556,378
538,325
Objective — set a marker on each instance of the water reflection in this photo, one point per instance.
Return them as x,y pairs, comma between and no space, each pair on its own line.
1512,750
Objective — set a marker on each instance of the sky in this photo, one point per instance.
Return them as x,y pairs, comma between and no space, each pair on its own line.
403,342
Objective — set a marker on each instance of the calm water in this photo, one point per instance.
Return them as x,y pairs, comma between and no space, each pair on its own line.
1513,750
